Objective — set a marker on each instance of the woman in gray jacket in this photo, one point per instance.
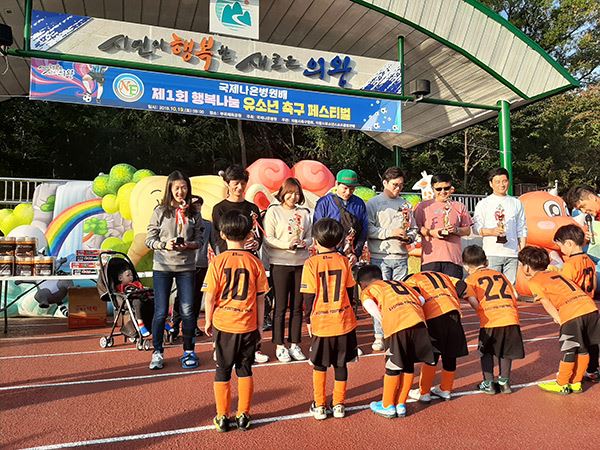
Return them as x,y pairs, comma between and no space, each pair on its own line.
174,233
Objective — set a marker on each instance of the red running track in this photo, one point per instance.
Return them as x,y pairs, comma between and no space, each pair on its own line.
59,389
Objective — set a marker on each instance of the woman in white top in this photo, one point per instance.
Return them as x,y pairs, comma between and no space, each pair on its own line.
287,238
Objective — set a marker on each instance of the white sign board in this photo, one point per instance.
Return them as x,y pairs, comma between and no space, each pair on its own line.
235,17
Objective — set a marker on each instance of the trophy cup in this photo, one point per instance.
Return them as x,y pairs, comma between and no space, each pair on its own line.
499,215
405,216
349,243
296,229
180,220
447,209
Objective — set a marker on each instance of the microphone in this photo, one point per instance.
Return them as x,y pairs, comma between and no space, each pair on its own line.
588,222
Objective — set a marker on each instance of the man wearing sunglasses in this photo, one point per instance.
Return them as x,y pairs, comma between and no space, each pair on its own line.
442,222
500,220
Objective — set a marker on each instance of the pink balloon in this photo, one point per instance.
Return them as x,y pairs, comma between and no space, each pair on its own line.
314,176
269,172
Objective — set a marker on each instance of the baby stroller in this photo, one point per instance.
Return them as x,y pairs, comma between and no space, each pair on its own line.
111,264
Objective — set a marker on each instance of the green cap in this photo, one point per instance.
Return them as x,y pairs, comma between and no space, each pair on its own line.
347,177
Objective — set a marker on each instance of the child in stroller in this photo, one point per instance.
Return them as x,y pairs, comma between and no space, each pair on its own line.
137,293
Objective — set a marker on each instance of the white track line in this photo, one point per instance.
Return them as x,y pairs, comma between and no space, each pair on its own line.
189,372
176,432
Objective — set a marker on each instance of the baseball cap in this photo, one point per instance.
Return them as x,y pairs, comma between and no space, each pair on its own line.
347,177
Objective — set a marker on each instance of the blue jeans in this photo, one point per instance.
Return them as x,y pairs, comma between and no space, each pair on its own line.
506,265
162,291
392,269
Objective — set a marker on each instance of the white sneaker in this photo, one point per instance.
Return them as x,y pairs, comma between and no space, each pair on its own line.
359,352
260,357
339,411
318,412
157,361
296,354
377,344
415,394
439,393
282,355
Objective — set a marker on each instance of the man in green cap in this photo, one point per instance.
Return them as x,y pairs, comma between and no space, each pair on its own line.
349,210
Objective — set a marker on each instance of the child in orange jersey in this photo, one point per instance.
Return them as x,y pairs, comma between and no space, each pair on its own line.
579,268
234,287
494,298
399,309
327,285
442,313
570,307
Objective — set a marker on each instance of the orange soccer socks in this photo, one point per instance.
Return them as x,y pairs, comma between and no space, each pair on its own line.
407,380
580,368
222,397
391,383
426,379
245,391
319,383
565,371
447,380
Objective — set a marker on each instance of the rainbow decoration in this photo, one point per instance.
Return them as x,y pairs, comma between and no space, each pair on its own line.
63,224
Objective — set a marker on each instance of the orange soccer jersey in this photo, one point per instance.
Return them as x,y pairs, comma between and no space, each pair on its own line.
496,296
327,276
400,305
438,290
581,269
568,299
235,278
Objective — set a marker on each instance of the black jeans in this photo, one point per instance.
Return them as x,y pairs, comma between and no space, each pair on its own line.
286,285
446,267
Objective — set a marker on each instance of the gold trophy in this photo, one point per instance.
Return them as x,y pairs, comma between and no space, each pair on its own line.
447,210
500,217
405,216
296,229
349,243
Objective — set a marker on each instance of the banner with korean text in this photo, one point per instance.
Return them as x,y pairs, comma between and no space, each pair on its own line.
70,82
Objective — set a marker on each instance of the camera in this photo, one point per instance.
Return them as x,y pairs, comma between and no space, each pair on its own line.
179,240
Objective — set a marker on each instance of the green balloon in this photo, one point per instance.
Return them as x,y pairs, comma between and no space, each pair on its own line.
141,174
122,173
99,186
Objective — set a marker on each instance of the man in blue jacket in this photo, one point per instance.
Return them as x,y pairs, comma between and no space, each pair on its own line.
349,210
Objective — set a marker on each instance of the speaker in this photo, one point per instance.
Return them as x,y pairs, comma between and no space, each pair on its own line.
6,38
419,88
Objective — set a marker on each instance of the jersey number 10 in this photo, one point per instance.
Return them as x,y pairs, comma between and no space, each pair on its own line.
232,284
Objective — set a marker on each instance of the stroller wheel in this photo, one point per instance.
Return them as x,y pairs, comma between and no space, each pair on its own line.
140,345
146,345
103,342
110,342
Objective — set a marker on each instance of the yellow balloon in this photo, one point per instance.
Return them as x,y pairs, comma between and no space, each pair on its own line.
124,196
110,203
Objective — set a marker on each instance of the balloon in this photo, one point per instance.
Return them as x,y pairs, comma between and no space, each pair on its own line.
269,172
314,176
8,223
30,231
128,236
141,174
100,185
110,203
123,197
4,213
24,213
364,193
122,173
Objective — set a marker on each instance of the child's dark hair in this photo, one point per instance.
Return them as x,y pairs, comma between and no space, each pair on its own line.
328,232
235,226
534,257
369,273
474,256
570,232
236,173
197,201
124,268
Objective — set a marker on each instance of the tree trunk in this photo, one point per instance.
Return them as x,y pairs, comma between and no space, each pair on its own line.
242,143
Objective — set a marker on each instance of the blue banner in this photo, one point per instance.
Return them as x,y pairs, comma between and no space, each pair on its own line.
69,82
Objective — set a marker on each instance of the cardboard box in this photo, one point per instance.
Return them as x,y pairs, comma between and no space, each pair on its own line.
86,310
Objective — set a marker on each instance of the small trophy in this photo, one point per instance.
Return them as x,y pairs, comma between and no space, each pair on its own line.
296,229
499,215
180,221
349,243
447,209
405,216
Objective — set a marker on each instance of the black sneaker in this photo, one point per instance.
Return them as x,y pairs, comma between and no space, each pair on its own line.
504,386
267,325
487,387
243,421
221,423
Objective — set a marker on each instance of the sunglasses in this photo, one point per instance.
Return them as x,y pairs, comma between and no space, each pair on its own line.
445,189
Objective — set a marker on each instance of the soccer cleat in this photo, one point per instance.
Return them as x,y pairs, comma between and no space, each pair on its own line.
189,360
437,391
377,344
339,411
243,421
221,423
318,412
504,386
283,355
415,394
260,357
555,388
594,377
380,410
487,387
157,361
576,388
296,354
401,410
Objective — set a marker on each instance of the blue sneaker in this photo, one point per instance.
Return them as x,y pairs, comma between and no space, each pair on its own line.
189,360
401,410
168,327
378,408
144,331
